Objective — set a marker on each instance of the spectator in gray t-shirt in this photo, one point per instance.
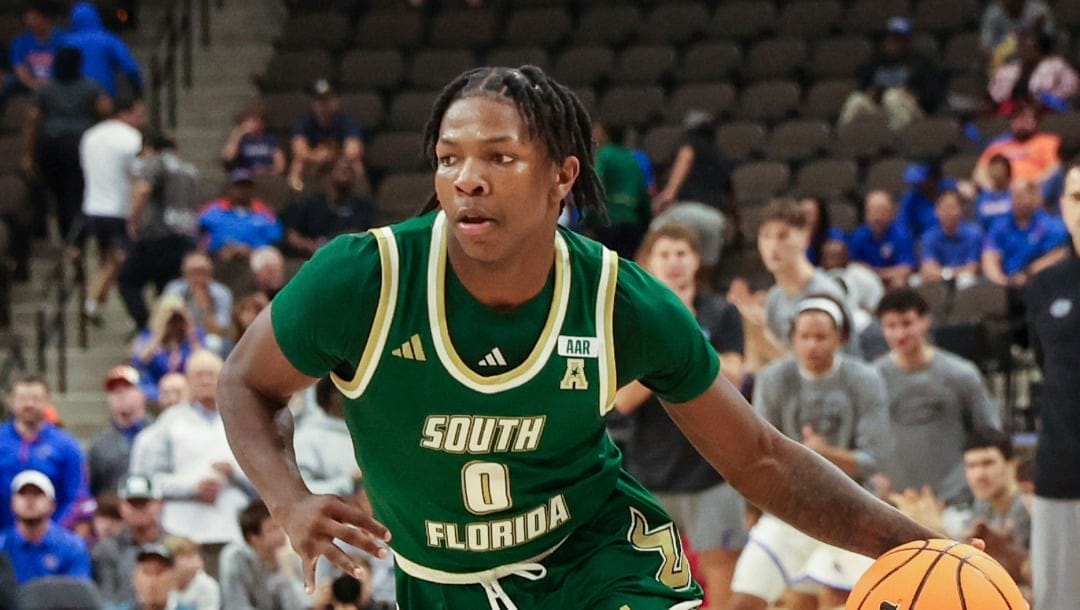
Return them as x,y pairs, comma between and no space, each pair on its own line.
935,400
830,402
782,241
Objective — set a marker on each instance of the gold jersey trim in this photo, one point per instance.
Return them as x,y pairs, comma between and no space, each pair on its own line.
605,329
384,314
440,332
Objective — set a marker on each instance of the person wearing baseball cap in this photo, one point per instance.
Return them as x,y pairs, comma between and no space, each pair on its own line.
32,442
115,558
324,135
110,451
36,546
152,577
898,84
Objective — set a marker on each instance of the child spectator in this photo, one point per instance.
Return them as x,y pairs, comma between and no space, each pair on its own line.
195,589
995,201
250,147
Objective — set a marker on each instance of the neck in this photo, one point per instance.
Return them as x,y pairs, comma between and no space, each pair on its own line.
1002,502
793,278
210,404
686,294
184,579
32,529
822,372
506,283
916,358
146,533
29,431
153,606
1023,220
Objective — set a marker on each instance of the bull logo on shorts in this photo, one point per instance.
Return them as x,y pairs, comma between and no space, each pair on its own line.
889,606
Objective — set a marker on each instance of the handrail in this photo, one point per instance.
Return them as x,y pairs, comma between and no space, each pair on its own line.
173,54
51,316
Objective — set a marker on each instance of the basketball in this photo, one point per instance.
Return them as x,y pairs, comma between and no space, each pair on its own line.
936,575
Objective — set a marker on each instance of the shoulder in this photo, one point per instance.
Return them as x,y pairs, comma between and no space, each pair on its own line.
970,230
934,234
954,365
859,371
884,363
60,438
778,370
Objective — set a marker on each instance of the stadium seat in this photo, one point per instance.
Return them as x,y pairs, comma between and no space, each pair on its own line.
743,20
774,58
435,68
826,98
372,69
1067,13
769,101
827,179
631,105
395,28
797,140
608,25
945,16
16,108
926,44
709,60
930,137
59,593
843,215
715,98
537,27
14,195
750,220
395,151
674,22
519,56
274,190
661,142
966,93
868,17
809,18
409,110
587,96
296,70
465,28
863,138
887,174
963,53
584,65
403,195
979,303
938,296
839,57
285,110
645,64
755,183
324,30
741,140
959,167
365,108
1067,127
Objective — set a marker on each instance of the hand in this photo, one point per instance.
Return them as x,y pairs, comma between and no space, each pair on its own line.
225,469
999,545
208,490
923,508
312,524
813,440
662,201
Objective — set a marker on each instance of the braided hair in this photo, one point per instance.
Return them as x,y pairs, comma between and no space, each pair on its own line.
552,114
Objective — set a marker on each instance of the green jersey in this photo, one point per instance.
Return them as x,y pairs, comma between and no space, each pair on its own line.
480,431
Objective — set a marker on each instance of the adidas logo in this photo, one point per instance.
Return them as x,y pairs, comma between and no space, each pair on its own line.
411,349
493,358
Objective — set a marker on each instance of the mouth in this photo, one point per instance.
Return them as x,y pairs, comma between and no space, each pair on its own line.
474,222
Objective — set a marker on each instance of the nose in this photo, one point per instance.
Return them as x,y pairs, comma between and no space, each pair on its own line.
471,180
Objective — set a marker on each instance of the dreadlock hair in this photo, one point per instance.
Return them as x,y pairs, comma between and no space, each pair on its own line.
552,114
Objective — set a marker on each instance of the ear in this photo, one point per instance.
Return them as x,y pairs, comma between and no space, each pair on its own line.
566,173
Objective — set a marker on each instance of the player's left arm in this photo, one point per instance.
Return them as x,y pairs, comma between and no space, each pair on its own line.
787,479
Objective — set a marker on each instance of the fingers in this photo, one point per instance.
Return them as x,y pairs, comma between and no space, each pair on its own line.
354,515
309,573
978,543
357,537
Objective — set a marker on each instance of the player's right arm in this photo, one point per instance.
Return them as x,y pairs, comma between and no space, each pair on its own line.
300,337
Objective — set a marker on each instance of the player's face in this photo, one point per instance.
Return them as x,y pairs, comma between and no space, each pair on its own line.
815,341
904,330
781,244
673,262
987,472
28,403
1070,204
501,191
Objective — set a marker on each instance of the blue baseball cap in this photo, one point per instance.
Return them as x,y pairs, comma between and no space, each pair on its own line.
899,25
916,173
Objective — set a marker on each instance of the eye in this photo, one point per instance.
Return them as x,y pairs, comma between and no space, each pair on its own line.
447,160
501,159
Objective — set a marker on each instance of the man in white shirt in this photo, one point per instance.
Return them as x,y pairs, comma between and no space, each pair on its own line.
107,154
194,467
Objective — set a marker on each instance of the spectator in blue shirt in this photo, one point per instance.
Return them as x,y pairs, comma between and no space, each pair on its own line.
250,147
326,134
882,243
37,546
237,223
1025,242
104,53
33,51
29,442
925,183
995,203
952,249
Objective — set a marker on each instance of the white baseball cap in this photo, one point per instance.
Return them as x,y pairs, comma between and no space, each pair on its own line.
37,479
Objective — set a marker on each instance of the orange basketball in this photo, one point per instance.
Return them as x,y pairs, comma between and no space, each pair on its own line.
936,575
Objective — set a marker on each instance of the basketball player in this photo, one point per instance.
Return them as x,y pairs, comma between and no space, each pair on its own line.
479,347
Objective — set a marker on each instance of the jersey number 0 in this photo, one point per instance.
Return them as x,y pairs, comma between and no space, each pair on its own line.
485,487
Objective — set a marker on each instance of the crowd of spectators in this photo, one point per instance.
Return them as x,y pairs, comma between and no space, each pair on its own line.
839,353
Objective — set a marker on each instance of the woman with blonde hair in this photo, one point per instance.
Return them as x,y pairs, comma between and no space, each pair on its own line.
166,344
